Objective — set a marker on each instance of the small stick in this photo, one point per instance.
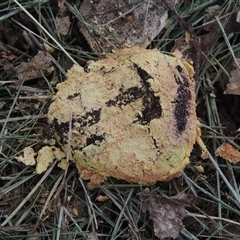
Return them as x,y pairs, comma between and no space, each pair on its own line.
189,28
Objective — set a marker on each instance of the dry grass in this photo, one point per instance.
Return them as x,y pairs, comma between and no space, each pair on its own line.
56,204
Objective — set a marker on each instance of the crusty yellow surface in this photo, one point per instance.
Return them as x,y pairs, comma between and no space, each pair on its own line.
46,156
28,157
127,147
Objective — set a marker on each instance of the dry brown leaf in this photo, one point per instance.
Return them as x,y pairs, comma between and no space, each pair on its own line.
166,212
233,87
228,152
187,48
40,65
210,23
107,27
63,24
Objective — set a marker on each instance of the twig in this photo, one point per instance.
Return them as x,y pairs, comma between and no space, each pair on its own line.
189,28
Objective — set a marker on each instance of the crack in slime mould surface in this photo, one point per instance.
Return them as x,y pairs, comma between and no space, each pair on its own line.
132,116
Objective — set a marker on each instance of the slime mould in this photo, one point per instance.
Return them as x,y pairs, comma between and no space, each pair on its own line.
130,115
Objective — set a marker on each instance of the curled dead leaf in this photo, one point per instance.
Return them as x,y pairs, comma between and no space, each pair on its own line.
107,27
38,66
166,212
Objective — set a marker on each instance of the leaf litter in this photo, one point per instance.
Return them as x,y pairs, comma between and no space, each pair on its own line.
151,200
39,66
166,213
